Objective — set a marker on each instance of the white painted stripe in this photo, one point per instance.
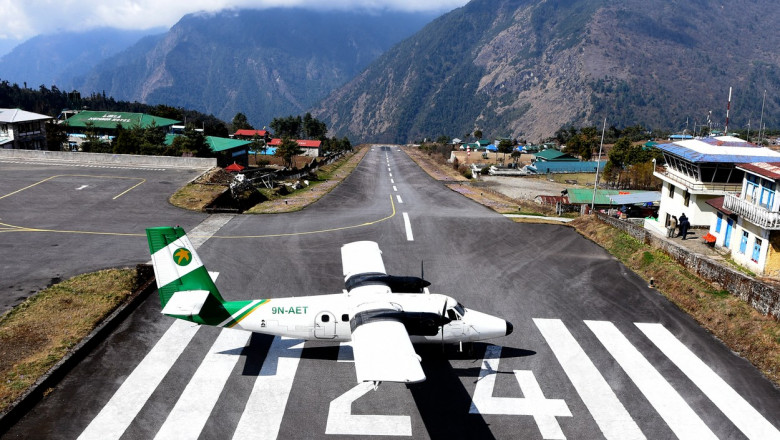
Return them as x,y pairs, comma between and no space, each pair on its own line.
398,197
194,406
391,174
395,188
388,169
262,416
392,180
408,225
737,409
238,313
119,412
613,419
673,409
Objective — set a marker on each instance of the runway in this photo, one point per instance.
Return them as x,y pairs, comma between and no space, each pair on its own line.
595,353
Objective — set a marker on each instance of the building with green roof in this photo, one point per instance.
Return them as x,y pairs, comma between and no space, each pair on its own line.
553,155
106,122
228,150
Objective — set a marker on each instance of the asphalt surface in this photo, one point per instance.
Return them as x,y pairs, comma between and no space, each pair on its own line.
94,203
576,366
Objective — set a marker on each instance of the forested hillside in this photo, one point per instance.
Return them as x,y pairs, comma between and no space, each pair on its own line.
59,58
262,63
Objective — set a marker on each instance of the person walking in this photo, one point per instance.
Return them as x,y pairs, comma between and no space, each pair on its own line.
684,225
670,230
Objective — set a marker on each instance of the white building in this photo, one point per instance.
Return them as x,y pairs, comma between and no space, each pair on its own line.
22,129
748,223
700,170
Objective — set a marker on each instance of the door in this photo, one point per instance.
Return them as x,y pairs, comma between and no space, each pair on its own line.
325,326
727,237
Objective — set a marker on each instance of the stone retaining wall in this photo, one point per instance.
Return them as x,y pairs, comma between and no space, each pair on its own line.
110,159
763,297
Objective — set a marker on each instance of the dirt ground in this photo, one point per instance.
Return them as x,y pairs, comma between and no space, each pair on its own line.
524,188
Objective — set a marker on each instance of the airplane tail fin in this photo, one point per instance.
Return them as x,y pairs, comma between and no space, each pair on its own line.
186,288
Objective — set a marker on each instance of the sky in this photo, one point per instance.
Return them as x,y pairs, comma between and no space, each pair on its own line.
23,19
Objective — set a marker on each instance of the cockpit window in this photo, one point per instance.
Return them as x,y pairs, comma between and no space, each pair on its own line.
452,315
460,309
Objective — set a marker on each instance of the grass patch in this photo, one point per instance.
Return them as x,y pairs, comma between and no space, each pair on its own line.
36,334
742,328
327,178
195,196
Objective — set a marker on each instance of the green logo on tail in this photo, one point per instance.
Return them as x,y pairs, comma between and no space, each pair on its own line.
182,257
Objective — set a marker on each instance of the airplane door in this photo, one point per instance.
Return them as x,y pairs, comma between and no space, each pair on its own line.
325,326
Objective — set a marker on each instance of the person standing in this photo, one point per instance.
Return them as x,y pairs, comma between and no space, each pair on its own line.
684,225
670,230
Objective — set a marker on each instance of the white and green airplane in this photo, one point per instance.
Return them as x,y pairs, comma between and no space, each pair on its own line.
373,311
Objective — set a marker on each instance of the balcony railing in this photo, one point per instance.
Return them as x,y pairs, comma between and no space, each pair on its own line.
756,214
718,188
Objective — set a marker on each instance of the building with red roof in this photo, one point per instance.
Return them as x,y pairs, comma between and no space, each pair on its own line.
249,134
310,147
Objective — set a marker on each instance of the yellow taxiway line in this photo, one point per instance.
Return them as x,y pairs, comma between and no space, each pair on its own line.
5,228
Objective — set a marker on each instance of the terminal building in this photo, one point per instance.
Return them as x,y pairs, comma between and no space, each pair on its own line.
22,129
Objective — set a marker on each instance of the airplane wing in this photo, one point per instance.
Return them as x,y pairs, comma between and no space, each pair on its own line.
361,257
384,353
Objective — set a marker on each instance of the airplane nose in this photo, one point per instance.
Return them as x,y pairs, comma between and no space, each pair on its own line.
509,328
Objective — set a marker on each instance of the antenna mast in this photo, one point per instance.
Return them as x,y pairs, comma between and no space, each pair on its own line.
728,107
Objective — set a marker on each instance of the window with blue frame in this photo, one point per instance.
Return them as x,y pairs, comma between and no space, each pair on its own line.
718,222
756,250
751,187
743,243
767,194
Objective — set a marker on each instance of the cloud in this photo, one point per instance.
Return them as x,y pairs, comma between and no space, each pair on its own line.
27,18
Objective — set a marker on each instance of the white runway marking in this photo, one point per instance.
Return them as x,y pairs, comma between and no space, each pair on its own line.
395,188
189,415
408,225
613,419
388,168
262,416
673,409
119,412
744,416
398,197
81,187
543,410
342,421
392,180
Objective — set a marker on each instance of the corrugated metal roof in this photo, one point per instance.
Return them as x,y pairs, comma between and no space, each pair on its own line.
630,199
109,120
303,143
217,144
723,149
579,196
246,132
14,115
770,170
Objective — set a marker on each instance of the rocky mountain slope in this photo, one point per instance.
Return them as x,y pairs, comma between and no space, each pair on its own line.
525,68
264,63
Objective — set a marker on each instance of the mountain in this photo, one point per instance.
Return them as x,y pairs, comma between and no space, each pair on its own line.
525,68
263,63
56,59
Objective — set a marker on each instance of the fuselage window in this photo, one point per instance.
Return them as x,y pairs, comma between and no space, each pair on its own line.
345,317
460,309
325,318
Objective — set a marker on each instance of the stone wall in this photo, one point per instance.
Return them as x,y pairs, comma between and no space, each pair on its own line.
110,159
762,296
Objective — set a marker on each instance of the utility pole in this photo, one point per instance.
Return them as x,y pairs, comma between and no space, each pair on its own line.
598,162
